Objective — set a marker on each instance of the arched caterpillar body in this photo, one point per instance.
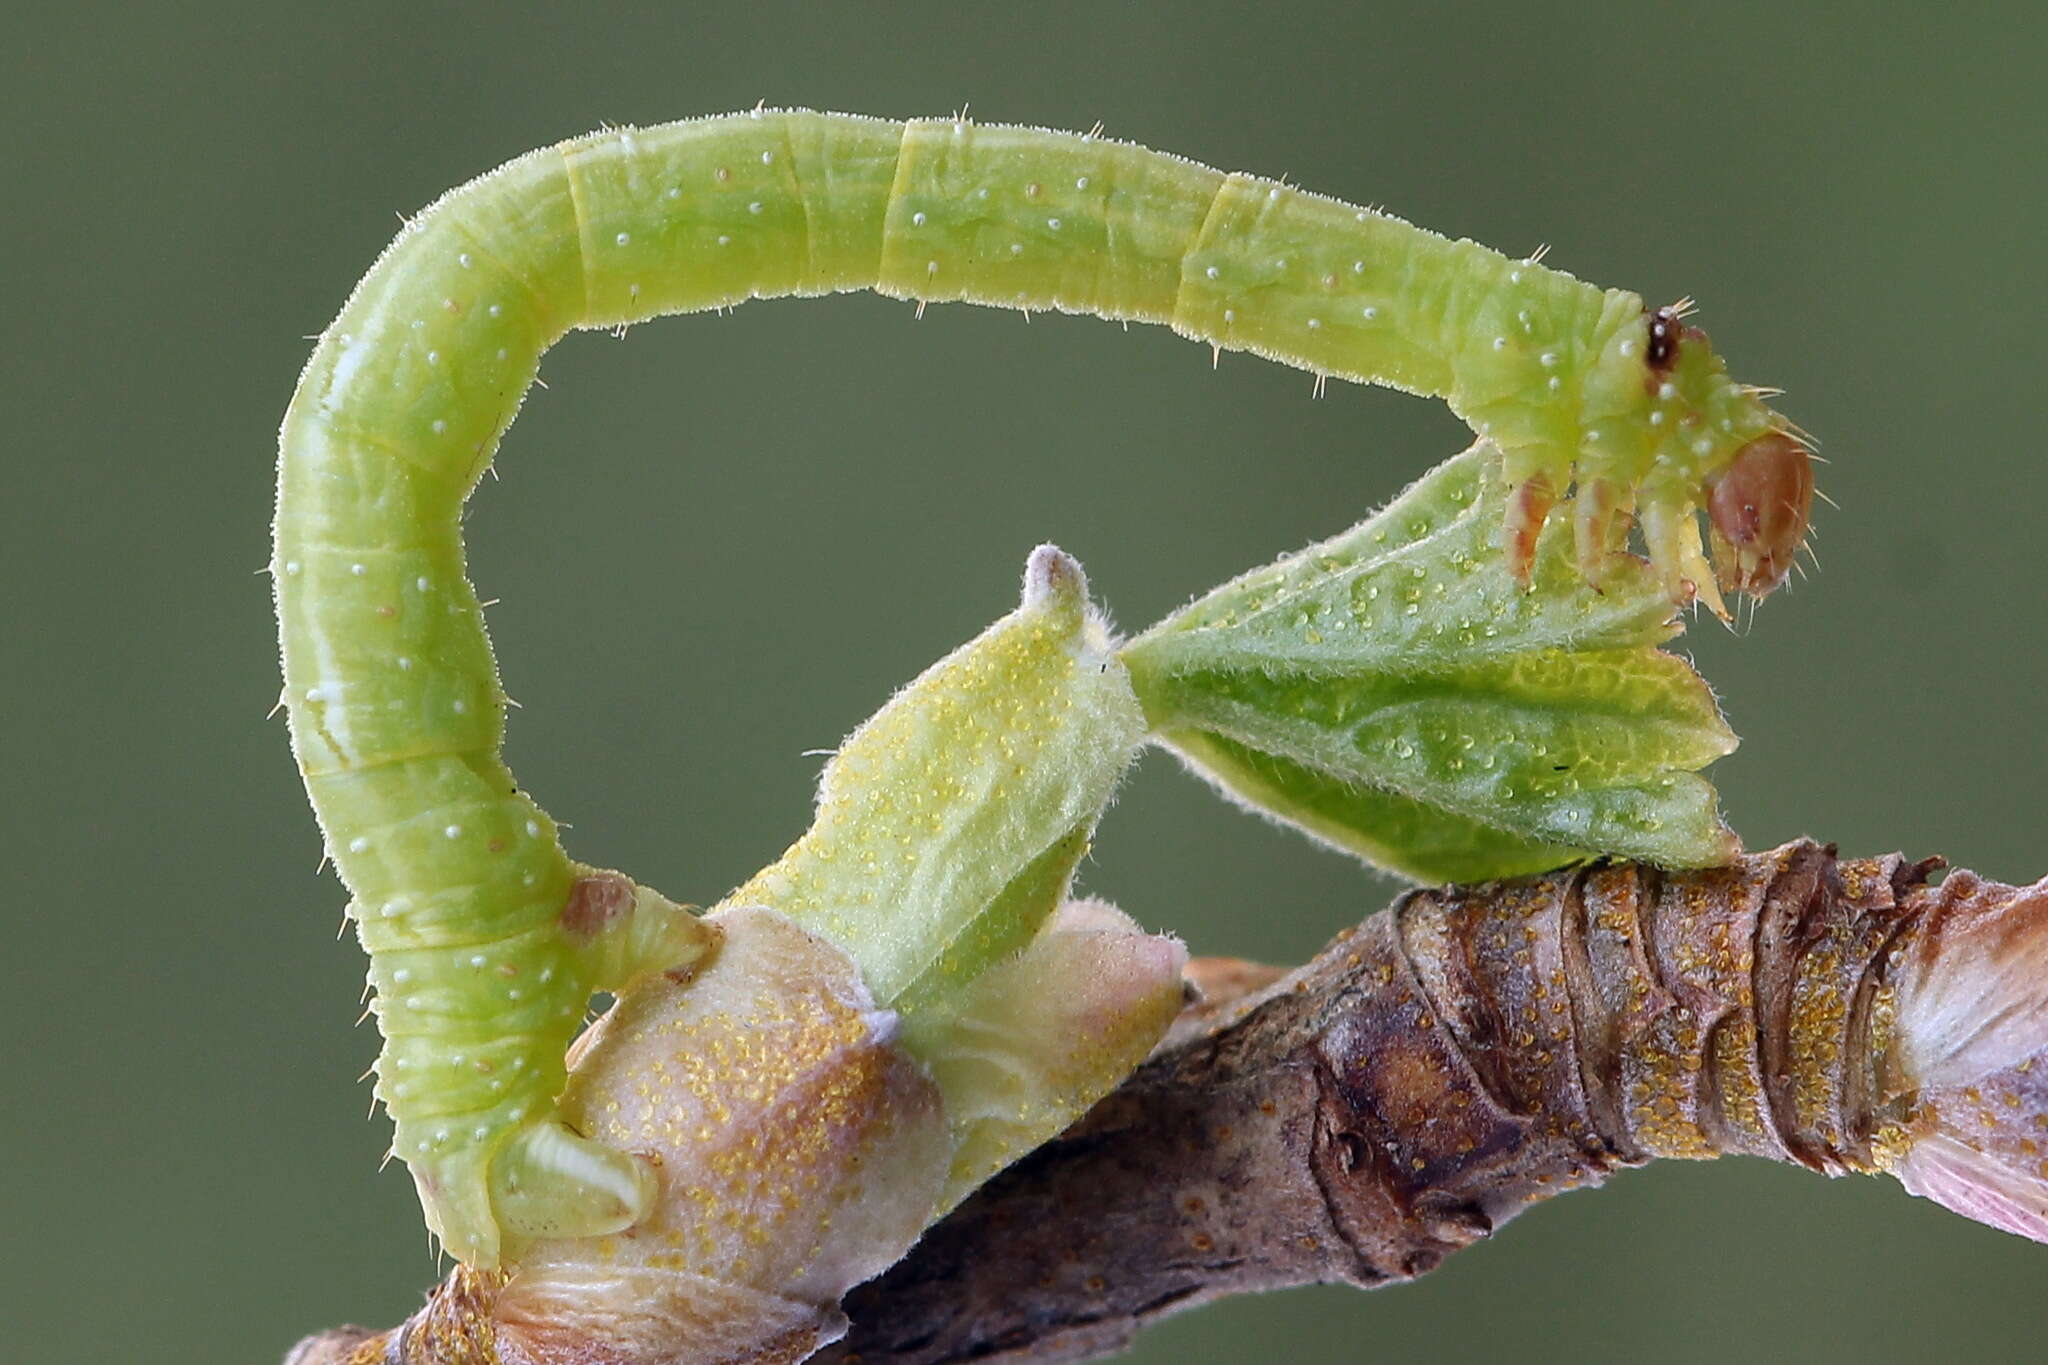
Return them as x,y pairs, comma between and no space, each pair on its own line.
486,940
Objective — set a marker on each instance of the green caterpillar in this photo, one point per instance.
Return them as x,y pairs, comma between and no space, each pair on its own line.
486,941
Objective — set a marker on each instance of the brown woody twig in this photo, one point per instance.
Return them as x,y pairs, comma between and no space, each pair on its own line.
1446,1064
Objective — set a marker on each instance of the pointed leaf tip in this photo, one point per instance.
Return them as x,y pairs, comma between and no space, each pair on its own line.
1054,579
948,823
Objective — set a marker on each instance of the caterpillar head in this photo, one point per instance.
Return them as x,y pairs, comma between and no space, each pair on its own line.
1673,435
1758,508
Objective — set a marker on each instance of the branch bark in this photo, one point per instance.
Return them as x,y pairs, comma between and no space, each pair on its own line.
1446,1064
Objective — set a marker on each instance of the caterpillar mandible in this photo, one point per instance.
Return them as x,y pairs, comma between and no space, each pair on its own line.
486,941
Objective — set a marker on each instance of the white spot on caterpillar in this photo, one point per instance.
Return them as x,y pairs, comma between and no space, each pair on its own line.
1081,183
1667,391
533,829
453,831
393,909
1548,359
483,1131
1358,267
405,663
513,993
358,569
461,707
478,960
433,357
1053,223
1702,446
917,219
464,261
1555,383
423,583
1016,248
502,353
1627,348
1230,315
767,158
1370,312
724,240
315,694
1314,324
440,426
1656,419
495,310
981,193
1500,343
1213,273
624,239
674,192
754,207
402,975
1514,277
359,845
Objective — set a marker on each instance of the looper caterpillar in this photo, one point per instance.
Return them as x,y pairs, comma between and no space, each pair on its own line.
485,939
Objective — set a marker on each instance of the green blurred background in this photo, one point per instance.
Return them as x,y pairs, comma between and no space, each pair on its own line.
723,542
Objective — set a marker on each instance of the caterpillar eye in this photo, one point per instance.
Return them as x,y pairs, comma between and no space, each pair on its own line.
1759,508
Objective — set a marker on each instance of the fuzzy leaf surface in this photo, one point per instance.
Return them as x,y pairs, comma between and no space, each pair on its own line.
1394,692
949,823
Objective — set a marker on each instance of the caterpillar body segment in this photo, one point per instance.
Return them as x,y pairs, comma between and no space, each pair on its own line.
486,939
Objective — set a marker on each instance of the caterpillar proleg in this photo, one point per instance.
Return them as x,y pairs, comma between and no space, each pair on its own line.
486,940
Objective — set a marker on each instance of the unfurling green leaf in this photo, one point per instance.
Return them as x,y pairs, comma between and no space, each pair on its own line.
978,783
947,833
1394,692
